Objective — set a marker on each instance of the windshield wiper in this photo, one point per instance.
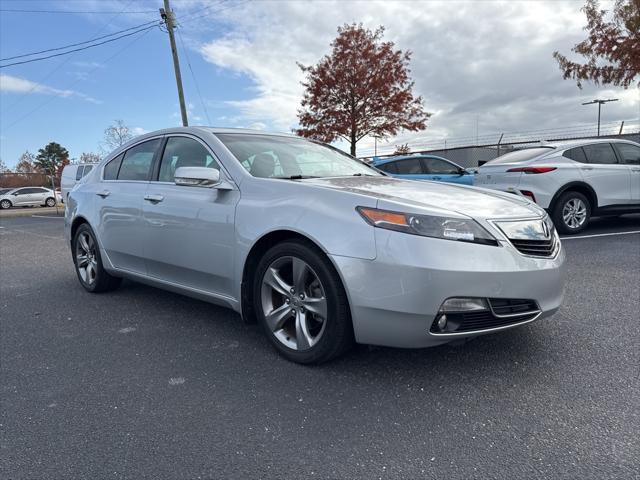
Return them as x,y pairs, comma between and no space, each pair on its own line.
296,177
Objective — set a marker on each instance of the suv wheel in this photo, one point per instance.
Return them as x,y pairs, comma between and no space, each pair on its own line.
301,303
571,212
88,262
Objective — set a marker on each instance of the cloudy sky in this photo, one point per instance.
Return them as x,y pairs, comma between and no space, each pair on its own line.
483,67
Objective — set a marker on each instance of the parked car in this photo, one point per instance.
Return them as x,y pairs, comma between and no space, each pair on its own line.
573,180
28,197
318,247
424,167
72,174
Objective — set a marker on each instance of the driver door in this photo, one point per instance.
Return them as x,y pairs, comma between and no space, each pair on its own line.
190,230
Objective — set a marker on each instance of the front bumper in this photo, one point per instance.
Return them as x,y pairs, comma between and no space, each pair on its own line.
395,298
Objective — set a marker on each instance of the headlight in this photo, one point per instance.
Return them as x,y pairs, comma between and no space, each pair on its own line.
447,228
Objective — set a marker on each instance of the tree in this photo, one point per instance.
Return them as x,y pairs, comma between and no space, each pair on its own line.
26,163
116,135
362,88
3,167
52,158
612,48
402,149
89,157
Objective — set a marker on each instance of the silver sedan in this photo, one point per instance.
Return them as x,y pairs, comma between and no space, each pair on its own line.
317,247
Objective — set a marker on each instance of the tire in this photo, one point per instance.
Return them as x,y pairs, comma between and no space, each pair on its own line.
5,204
50,202
301,326
571,212
93,277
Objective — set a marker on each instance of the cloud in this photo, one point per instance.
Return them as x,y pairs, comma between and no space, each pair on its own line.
138,131
11,84
479,65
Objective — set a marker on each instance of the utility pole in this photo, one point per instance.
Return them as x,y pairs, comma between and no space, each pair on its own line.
170,21
600,103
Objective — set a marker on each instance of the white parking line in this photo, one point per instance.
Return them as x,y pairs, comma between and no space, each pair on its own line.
600,235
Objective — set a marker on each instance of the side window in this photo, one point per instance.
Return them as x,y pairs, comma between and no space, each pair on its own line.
576,154
39,190
79,173
437,166
389,167
87,169
111,169
136,163
600,153
629,154
409,166
22,191
183,152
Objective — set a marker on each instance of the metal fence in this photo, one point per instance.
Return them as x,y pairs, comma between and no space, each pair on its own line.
474,151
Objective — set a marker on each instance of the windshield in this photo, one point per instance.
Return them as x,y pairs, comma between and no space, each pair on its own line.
520,155
269,156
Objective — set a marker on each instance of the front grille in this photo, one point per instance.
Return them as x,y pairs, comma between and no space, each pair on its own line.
536,248
503,312
508,306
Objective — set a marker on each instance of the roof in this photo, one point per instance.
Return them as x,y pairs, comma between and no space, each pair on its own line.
382,161
585,141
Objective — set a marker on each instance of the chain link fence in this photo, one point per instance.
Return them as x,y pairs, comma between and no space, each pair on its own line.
474,151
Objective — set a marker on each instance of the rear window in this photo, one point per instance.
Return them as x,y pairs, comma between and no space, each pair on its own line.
79,172
600,154
520,155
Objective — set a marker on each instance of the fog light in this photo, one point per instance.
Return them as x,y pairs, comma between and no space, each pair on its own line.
442,323
464,304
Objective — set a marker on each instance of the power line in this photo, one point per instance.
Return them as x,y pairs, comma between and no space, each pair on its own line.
19,10
78,49
186,54
73,84
77,44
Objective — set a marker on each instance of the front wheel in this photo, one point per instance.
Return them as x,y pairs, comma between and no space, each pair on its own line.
50,202
5,204
571,213
88,262
301,303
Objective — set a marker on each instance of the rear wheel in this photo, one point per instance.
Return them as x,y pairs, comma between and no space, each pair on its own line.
301,303
571,212
5,204
50,202
88,262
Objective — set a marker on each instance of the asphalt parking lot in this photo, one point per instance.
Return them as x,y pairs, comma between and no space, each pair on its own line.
142,383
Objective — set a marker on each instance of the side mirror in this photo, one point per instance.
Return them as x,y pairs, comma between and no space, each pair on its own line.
200,177
461,171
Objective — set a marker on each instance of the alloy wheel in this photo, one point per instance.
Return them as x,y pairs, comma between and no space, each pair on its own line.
86,261
574,213
50,202
294,303
5,204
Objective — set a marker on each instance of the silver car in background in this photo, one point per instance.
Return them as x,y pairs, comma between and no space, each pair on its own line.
319,248
28,197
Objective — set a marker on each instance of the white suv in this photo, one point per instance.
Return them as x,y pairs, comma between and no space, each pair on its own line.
573,180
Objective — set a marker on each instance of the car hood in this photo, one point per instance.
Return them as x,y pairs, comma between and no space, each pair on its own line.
435,196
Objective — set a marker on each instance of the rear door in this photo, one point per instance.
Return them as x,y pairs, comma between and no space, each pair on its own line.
119,200
629,155
610,179
190,231
411,169
21,197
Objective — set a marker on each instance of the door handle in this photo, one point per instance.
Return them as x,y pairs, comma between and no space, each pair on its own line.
635,169
586,168
154,198
104,193
436,178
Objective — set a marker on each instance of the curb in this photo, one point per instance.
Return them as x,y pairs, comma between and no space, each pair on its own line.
29,211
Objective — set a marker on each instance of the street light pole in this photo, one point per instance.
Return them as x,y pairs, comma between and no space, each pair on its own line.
600,103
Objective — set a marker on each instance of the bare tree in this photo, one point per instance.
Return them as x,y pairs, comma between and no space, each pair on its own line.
116,135
3,167
403,149
89,157
26,163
